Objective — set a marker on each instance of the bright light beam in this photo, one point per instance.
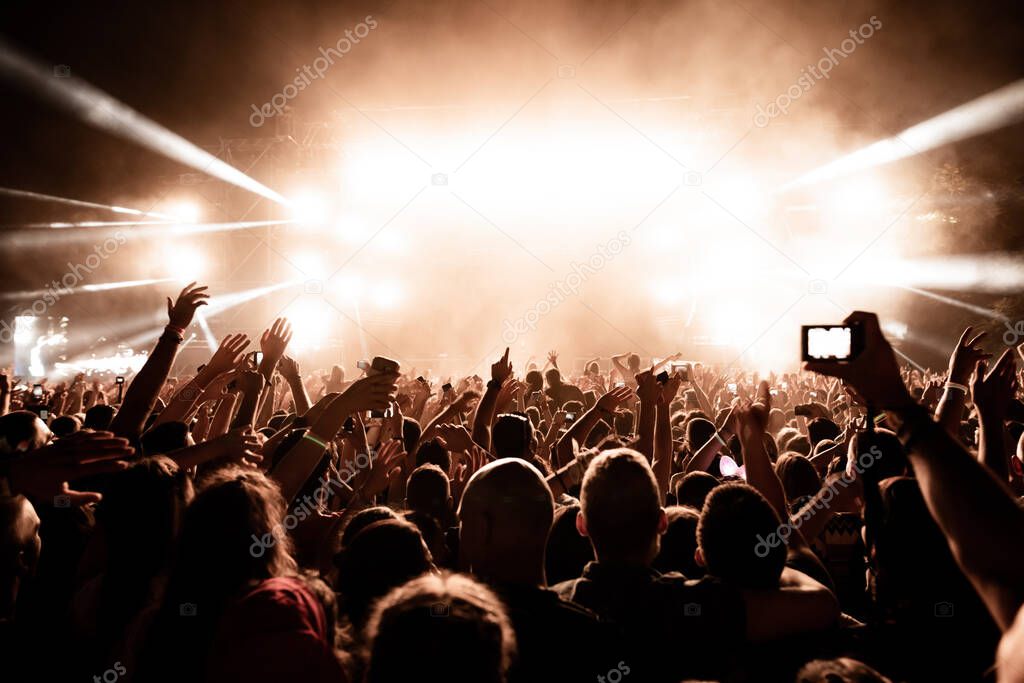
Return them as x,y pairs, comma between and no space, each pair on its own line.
995,110
65,291
100,110
44,238
38,196
992,315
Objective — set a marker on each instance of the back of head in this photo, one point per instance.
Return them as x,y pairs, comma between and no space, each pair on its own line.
428,491
447,628
799,477
567,552
235,511
65,425
164,438
99,417
801,444
679,542
363,519
620,505
819,428
21,430
840,670
506,508
432,452
698,432
512,436
693,488
382,556
735,524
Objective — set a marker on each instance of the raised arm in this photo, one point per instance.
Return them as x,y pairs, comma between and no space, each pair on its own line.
142,393
962,361
992,394
224,359
500,371
987,542
581,428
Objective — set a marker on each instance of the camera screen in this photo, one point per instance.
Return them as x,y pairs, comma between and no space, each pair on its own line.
829,342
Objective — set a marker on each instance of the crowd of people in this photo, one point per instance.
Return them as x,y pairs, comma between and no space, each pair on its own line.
640,521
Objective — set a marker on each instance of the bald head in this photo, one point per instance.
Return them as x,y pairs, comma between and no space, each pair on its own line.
504,520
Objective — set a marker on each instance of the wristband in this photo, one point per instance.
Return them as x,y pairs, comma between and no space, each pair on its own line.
956,385
176,332
493,384
319,442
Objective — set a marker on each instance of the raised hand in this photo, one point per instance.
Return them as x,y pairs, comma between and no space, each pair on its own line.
993,392
388,463
647,387
501,370
965,356
464,401
275,340
874,373
374,392
181,312
227,355
456,438
611,400
242,446
44,473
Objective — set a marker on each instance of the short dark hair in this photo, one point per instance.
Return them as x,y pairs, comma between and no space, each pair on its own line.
428,490
820,429
679,542
512,436
620,503
433,453
99,417
693,488
164,438
65,425
735,520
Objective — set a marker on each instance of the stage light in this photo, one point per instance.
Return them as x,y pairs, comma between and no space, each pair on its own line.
995,110
347,286
184,210
24,329
310,320
98,109
855,196
310,208
387,294
184,263
309,264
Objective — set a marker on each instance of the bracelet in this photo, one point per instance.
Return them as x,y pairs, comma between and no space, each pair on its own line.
319,442
176,332
956,385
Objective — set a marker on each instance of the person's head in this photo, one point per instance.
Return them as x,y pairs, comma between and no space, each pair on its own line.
776,421
446,627
880,451
381,557
535,381
785,435
512,436
801,444
633,363
22,430
99,417
567,551
232,534
819,428
65,425
693,488
166,437
429,491
620,508
679,543
698,432
624,423
736,537
840,670
20,543
504,520
432,452
799,477
142,512
593,369
553,377
363,519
